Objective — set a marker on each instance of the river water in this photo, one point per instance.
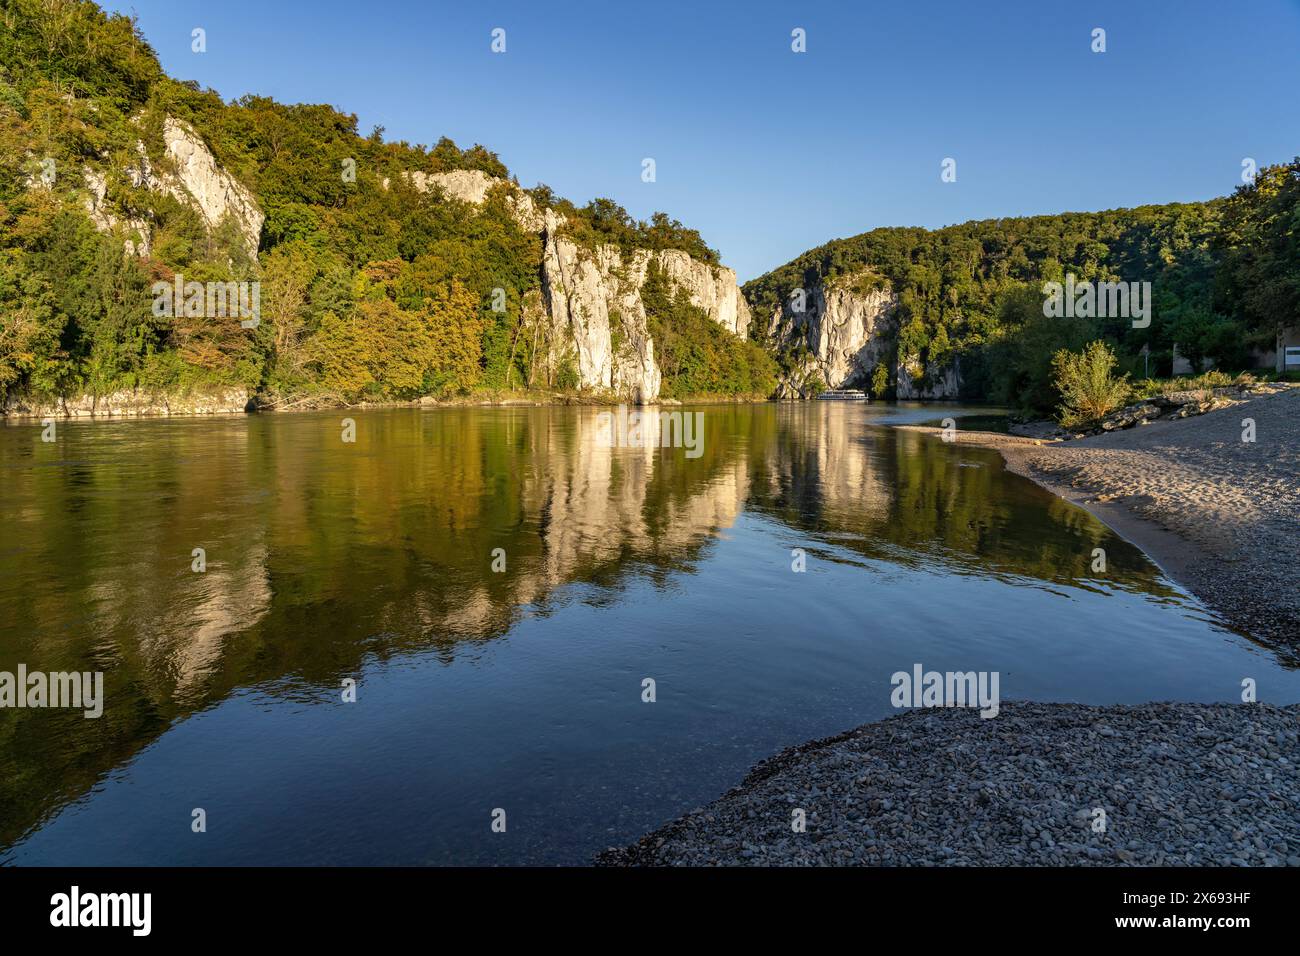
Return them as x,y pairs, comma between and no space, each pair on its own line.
520,688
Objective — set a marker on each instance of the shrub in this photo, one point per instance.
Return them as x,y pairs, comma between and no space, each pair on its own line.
1087,384
566,376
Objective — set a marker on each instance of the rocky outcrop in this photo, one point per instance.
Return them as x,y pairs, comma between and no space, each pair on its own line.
597,319
472,186
193,177
594,313
711,288
101,213
929,383
133,404
845,331
198,179
594,302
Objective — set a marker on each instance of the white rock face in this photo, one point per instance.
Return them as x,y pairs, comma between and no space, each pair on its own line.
105,220
598,320
593,298
712,288
201,181
941,383
137,403
846,332
472,185
198,181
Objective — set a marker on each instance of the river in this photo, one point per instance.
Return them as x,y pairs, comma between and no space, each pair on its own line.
500,584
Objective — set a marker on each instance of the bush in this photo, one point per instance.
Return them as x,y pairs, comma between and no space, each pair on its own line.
1087,384
566,376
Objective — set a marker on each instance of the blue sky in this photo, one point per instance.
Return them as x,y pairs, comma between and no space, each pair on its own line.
768,152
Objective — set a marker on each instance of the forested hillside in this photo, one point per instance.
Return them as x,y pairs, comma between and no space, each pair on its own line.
370,288
374,287
1225,274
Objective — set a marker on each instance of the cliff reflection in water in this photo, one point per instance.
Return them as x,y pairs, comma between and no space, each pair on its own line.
322,556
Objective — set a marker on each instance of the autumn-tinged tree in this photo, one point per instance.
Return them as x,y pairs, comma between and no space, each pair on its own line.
455,328
287,274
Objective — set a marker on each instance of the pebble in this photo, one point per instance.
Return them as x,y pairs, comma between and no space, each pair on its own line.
1020,789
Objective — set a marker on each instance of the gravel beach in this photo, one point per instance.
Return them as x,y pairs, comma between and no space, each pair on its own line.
1179,784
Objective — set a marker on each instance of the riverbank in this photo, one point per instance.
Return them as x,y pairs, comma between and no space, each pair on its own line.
1219,514
141,404
1177,784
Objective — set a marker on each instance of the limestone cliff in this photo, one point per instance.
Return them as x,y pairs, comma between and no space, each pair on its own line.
597,335
914,382
596,319
196,178
840,331
712,288
189,173
472,186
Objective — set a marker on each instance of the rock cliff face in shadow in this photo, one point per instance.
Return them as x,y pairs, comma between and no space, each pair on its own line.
839,329
840,332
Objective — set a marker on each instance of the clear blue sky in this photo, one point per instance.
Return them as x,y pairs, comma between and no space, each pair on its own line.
768,152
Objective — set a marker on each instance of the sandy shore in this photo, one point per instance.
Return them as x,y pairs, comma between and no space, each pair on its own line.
1039,785
1220,515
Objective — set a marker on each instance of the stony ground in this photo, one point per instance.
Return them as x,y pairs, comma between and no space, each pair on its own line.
1235,503
1180,784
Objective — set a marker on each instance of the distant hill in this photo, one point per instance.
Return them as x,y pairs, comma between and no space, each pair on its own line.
958,312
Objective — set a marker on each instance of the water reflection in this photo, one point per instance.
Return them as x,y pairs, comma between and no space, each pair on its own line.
325,557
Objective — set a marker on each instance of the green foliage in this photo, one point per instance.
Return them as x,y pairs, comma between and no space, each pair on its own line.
879,381
82,49
1205,382
29,330
407,336
1259,284
1087,384
697,356
371,289
605,222
342,258
1225,275
566,376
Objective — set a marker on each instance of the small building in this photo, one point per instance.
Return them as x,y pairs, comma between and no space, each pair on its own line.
1288,349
